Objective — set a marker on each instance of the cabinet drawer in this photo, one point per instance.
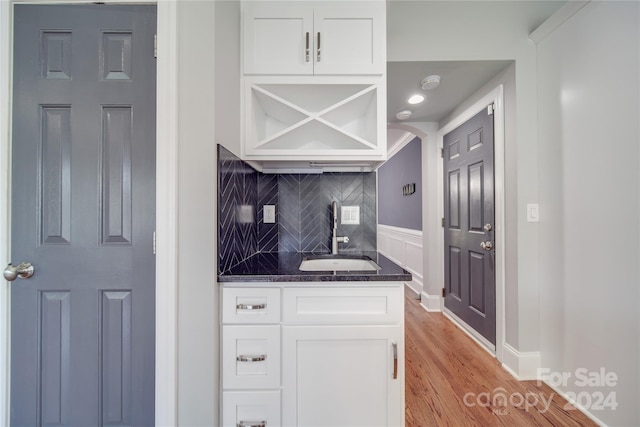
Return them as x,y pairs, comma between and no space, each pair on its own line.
251,408
250,356
250,305
343,306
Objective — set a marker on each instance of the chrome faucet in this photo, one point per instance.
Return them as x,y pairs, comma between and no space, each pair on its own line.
334,238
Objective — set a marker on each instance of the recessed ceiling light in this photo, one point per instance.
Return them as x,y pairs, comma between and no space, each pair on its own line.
416,99
430,82
403,115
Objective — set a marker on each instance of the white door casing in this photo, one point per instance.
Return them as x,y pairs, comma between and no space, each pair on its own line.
496,97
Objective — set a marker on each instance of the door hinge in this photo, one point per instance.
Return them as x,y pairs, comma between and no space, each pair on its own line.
490,109
442,222
442,153
154,243
155,47
443,293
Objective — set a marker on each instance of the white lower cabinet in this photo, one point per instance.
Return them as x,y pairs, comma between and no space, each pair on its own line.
342,376
332,356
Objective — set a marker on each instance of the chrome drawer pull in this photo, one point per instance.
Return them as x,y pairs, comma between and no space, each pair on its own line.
251,306
252,424
252,358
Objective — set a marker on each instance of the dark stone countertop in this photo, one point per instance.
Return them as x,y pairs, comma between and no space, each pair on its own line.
283,267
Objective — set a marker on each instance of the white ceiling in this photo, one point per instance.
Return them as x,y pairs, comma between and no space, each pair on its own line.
459,80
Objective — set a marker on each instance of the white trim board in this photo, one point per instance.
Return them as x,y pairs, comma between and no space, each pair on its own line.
574,403
473,334
166,204
522,365
496,96
6,29
404,247
400,143
554,22
431,303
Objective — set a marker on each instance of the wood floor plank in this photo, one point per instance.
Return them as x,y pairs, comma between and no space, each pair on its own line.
452,381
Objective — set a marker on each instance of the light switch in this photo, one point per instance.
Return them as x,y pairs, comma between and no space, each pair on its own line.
533,212
351,215
269,214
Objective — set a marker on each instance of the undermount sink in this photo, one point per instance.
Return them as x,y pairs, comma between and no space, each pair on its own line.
338,263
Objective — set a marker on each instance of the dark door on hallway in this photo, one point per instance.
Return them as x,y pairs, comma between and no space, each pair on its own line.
469,221
83,213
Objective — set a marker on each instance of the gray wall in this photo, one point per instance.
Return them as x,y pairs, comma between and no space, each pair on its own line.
404,168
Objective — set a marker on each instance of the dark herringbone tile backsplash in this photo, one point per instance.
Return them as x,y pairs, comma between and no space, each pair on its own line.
237,201
303,211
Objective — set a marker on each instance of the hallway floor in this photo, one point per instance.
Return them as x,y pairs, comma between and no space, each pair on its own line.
451,381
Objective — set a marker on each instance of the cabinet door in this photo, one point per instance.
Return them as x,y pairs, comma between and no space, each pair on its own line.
350,40
343,376
278,40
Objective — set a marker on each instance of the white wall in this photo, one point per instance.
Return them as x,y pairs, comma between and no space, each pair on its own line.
479,30
197,290
227,74
589,200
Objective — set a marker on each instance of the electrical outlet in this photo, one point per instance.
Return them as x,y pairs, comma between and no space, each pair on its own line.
351,215
269,214
533,212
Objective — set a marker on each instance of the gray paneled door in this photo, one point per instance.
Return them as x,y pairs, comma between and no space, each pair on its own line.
469,221
83,213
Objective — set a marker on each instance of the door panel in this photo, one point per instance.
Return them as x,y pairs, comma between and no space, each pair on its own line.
83,212
468,207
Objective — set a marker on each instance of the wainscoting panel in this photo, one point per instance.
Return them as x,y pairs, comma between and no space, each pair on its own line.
404,247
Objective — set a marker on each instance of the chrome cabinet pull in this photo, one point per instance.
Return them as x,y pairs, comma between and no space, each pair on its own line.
318,59
251,306
251,358
252,424
395,360
306,52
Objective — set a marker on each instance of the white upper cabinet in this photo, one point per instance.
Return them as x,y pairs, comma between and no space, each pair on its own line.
314,38
314,82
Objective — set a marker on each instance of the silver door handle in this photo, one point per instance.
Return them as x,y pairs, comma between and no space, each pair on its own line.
487,227
252,424
487,246
318,58
24,270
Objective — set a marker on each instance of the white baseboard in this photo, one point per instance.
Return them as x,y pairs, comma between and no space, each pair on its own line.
574,403
432,303
472,333
522,365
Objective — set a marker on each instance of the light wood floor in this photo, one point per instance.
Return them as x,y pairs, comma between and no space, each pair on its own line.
445,368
